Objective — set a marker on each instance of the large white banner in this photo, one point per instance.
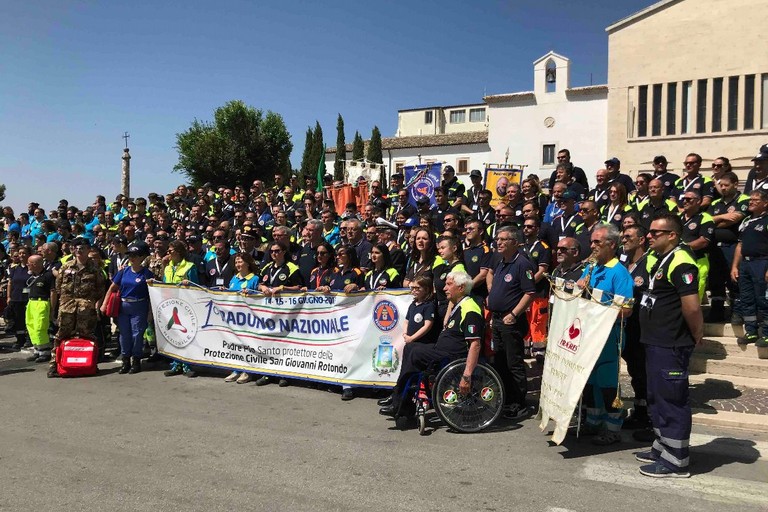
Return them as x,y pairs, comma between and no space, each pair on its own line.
577,335
352,339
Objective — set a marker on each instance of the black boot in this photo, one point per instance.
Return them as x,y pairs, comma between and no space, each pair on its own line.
126,365
135,365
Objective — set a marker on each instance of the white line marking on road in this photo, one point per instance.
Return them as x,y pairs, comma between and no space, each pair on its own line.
707,487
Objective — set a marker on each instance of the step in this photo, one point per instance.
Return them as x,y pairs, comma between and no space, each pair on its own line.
733,365
728,346
730,419
737,381
723,329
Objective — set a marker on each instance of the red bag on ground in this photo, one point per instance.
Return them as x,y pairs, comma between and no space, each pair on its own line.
77,358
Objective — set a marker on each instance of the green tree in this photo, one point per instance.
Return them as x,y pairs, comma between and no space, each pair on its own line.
242,144
358,147
341,151
2,192
318,150
306,157
374,151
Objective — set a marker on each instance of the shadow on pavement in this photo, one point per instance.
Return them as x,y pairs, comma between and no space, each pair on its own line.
722,451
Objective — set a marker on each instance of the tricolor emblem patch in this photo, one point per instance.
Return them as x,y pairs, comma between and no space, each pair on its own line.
688,278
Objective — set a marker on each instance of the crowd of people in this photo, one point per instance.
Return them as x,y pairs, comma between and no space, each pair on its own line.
472,266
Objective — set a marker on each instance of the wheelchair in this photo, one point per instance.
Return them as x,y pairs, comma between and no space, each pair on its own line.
462,413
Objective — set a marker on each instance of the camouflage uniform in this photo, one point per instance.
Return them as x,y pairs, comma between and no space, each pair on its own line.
79,290
155,265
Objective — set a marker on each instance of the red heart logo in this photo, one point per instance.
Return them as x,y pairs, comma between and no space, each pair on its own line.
573,331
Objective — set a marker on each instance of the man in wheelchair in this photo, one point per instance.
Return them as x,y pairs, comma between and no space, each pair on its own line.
460,337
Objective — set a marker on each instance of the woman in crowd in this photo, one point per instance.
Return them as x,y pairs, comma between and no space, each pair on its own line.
382,275
245,280
18,274
450,259
347,276
325,256
132,321
422,256
615,211
531,190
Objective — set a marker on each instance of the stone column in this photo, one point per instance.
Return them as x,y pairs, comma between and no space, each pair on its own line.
125,181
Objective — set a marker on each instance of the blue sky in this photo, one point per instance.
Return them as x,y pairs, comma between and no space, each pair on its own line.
76,75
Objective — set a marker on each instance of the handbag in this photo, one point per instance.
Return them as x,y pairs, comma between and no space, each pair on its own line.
113,304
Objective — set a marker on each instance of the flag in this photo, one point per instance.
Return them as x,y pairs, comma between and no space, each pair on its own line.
320,172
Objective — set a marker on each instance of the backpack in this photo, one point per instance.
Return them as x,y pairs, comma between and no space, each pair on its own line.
77,357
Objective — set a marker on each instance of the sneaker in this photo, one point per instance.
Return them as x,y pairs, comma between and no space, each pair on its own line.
32,358
188,371
647,457
43,358
607,438
262,381
347,394
762,342
659,470
282,383
175,369
747,339
232,377
244,378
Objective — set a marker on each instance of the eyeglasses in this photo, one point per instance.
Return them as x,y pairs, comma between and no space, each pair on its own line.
275,251
528,226
596,242
689,199
656,232
449,219
687,164
323,253
626,237
503,239
565,249
717,166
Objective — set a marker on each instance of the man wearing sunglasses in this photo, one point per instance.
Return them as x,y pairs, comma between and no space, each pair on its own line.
695,181
656,203
671,324
570,266
698,233
661,173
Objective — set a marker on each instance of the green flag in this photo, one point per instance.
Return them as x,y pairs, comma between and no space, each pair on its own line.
321,171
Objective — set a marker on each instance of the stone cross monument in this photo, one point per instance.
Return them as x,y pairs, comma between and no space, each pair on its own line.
125,182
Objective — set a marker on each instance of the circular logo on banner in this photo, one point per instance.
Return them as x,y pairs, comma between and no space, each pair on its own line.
385,315
177,322
422,188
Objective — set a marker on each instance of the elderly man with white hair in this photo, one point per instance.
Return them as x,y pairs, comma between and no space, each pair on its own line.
462,330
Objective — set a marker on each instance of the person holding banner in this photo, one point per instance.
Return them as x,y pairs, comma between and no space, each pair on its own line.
671,326
279,274
245,280
325,255
606,274
182,272
460,337
383,275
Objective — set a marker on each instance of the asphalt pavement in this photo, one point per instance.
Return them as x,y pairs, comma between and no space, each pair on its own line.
150,443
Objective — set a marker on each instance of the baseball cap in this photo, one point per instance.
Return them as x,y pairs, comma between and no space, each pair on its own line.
763,154
140,250
80,241
422,200
120,239
398,176
613,161
449,168
569,195
475,173
409,223
248,232
661,159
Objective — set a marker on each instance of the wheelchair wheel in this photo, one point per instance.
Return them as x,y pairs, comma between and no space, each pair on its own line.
475,411
422,420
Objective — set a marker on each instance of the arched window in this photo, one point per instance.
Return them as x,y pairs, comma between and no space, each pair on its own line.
550,76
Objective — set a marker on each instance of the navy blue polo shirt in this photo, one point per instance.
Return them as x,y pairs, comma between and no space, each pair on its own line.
417,314
511,280
475,259
754,237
